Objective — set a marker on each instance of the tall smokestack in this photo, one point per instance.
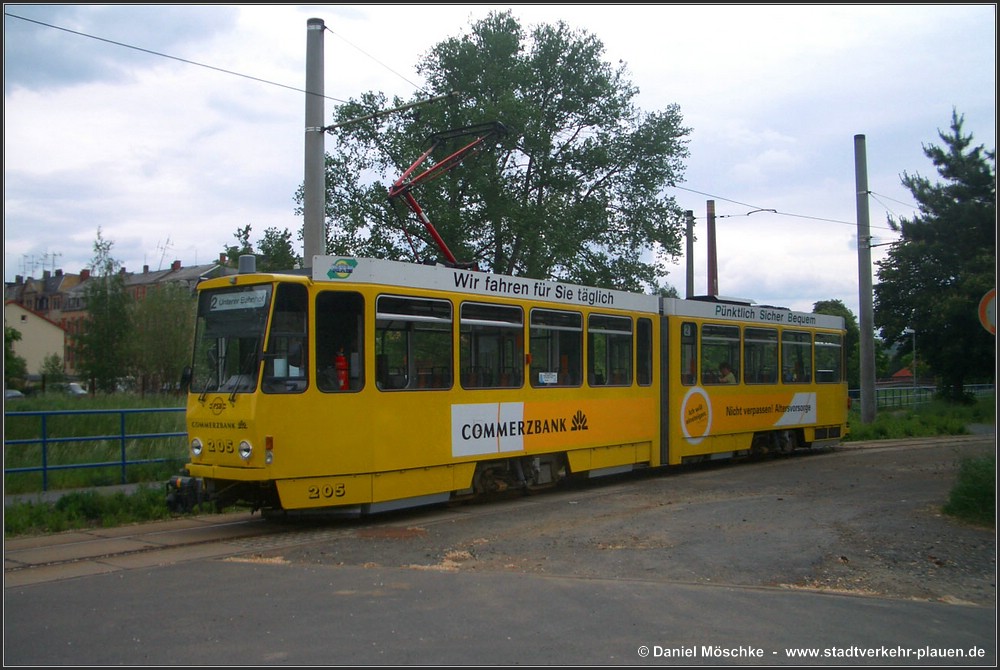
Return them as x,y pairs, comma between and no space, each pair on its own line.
713,264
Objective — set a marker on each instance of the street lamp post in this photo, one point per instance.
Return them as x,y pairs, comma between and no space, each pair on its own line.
910,331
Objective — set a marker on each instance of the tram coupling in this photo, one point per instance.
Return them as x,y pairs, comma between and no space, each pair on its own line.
184,493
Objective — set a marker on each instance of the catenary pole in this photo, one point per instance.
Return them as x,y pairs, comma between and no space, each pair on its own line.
313,189
865,293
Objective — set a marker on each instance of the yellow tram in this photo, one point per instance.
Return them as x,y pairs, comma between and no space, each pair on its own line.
373,385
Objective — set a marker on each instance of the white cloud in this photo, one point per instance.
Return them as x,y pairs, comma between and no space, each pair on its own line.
170,158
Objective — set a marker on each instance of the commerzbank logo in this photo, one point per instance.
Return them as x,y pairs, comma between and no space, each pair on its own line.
342,268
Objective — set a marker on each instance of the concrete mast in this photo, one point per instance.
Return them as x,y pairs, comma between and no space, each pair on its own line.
314,186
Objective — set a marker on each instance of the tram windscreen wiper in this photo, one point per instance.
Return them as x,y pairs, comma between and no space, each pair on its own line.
213,362
244,371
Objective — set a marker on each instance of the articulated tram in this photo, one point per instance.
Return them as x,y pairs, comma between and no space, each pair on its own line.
372,385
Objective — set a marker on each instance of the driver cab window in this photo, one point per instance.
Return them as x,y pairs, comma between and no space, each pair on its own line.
285,360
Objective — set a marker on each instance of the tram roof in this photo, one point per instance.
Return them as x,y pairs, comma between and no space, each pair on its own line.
765,315
345,269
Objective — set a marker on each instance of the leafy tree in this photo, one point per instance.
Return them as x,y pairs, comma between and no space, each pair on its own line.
574,191
244,247
53,370
102,347
15,368
945,261
275,253
852,341
163,328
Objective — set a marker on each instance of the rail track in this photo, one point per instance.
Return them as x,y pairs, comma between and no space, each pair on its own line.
36,559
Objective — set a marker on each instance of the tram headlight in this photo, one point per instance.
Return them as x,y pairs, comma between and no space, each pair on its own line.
245,450
196,447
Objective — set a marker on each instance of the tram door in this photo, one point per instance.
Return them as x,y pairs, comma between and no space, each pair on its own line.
339,341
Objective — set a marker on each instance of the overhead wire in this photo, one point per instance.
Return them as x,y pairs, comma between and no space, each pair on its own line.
756,208
375,60
163,55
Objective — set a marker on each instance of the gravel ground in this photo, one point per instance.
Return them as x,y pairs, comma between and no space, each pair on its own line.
863,520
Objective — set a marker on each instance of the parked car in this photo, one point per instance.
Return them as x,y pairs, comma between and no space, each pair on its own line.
12,394
75,389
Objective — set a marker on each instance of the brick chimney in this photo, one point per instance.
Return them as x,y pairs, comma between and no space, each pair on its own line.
175,266
84,274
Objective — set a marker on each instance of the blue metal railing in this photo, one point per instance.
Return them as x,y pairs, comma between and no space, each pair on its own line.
121,436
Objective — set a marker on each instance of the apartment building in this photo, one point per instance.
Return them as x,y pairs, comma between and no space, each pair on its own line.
50,311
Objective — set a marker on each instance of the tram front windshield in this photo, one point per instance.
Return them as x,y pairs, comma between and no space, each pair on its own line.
228,337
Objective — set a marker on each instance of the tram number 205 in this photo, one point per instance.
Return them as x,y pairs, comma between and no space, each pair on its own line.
220,446
327,491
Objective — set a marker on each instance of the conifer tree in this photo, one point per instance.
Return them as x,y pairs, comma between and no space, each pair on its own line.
933,278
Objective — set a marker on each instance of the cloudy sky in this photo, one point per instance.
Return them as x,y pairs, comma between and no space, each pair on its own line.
171,126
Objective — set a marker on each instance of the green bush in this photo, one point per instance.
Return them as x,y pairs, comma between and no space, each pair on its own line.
86,509
974,496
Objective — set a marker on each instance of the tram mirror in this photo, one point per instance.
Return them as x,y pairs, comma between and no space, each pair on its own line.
186,376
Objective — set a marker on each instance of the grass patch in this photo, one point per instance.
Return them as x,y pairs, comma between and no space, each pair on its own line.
929,419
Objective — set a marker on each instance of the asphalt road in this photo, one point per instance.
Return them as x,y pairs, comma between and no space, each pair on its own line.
840,554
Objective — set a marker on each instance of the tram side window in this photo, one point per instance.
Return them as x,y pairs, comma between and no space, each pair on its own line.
644,352
285,361
689,353
719,344
609,350
760,356
556,347
829,358
413,347
796,357
491,345
339,341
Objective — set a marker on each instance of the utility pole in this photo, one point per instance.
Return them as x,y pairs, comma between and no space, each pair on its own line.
865,294
314,186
